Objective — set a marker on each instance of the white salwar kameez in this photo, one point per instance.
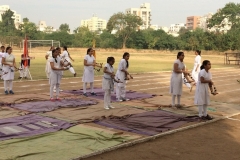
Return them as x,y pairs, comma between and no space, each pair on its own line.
65,57
176,79
48,67
55,76
195,73
88,73
120,75
8,71
176,82
202,99
108,85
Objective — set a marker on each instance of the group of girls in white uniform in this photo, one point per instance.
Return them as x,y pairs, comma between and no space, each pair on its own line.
202,78
57,63
120,80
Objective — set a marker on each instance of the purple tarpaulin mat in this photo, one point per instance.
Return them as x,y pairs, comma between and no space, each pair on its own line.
147,123
46,106
29,125
100,94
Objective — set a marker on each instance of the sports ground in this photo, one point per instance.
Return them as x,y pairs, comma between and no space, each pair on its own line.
32,127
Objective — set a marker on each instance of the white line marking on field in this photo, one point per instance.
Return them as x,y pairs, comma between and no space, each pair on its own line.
25,86
233,119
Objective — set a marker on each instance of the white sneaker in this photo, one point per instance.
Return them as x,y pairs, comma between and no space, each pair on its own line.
106,107
111,107
119,100
54,90
60,90
125,99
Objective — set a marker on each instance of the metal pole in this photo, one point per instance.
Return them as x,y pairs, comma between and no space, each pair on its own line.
30,47
52,42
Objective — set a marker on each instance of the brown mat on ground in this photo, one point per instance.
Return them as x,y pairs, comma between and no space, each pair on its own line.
7,112
148,123
96,112
22,98
157,102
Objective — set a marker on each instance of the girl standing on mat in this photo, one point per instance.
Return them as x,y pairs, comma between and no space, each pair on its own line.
48,56
121,76
108,82
57,66
88,74
9,65
197,64
67,59
176,79
202,99
2,52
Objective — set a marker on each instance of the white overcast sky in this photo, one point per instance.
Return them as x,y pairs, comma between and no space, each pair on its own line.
56,12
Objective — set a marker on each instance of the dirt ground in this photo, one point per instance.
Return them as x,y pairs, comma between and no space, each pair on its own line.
219,140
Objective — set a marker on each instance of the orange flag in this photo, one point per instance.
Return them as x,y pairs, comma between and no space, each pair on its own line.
25,51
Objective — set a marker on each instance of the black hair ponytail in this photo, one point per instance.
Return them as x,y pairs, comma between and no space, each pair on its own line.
199,52
124,55
204,63
179,54
88,50
110,59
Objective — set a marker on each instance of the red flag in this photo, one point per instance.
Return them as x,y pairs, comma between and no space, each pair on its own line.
25,52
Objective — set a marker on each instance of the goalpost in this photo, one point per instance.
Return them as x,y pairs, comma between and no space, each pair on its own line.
34,43
31,44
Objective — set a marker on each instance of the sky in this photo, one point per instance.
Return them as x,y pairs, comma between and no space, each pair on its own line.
57,12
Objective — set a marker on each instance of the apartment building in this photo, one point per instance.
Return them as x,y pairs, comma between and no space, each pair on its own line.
94,23
192,22
144,12
175,28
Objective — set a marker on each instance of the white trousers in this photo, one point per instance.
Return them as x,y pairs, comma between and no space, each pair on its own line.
71,69
107,98
120,91
23,72
202,110
85,87
8,84
55,80
178,100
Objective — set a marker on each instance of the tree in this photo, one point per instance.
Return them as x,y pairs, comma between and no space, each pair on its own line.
64,28
7,26
231,12
83,37
124,24
25,20
28,28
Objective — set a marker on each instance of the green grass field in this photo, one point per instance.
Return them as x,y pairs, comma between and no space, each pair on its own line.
139,62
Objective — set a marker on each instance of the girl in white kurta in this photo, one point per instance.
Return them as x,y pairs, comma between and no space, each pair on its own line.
48,56
197,64
121,76
67,59
88,73
2,52
202,99
108,82
176,79
9,65
57,66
